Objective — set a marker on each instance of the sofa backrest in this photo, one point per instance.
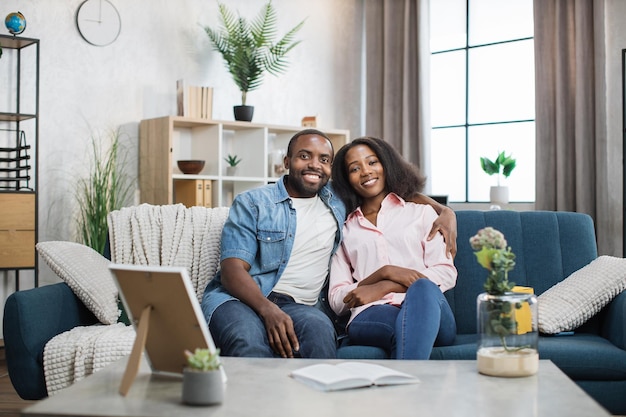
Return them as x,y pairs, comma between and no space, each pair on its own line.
548,246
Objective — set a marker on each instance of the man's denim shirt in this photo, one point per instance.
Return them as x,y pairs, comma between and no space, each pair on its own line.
260,230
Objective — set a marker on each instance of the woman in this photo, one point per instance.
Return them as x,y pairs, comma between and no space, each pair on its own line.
387,273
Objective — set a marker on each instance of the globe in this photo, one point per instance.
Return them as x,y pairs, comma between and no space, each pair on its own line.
15,22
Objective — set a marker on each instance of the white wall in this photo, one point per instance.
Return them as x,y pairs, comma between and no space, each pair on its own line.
86,89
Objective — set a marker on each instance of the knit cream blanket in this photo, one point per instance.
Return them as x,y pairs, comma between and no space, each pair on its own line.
170,235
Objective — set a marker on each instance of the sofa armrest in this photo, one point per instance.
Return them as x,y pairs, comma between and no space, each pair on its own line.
614,327
31,318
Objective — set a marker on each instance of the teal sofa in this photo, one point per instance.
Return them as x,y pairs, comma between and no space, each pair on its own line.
549,247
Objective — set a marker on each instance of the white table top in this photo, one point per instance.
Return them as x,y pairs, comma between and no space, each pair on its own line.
262,387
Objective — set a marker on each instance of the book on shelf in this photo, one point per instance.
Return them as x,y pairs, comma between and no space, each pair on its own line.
348,375
194,101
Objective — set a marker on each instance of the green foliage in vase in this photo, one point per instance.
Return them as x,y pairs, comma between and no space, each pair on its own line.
203,359
232,160
248,48
105,189
493,254
501,165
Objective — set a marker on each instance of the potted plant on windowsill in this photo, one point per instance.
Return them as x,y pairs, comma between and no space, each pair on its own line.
249,50
203,382
501,166
507,315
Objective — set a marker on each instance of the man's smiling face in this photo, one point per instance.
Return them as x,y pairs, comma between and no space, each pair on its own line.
309,166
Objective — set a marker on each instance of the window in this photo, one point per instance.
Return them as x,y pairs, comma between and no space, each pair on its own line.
482,96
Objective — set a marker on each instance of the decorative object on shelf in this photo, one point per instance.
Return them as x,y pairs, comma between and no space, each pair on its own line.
15,171
506,315
191,166
98,22
248,50
309,121
203,382
232,162
15,23
502,165
277,162
106,188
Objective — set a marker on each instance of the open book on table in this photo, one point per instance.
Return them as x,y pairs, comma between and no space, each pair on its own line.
346,375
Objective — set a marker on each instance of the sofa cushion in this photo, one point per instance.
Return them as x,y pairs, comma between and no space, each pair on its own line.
573,301
87,273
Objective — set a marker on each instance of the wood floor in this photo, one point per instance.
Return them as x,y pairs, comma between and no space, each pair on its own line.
10,402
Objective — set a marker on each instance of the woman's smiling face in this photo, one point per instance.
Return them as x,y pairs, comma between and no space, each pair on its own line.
365,171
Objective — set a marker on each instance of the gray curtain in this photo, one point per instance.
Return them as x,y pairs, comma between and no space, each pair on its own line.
397,68
572,158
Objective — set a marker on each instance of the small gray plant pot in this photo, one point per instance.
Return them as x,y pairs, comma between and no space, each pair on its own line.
202,388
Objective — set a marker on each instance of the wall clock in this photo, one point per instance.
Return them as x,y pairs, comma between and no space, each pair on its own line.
98,22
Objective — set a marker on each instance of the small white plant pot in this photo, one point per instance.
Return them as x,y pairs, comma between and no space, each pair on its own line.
202,388
231,171
499,195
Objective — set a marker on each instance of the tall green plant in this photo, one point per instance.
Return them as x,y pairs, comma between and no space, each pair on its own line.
105,189
248,48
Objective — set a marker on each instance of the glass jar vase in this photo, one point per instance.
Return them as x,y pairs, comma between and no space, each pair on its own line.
508,334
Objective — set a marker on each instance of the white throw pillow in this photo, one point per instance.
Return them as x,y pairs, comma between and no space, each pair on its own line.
573,301
87,274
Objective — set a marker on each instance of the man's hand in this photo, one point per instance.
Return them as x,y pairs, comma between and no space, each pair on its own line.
446,225
280,331
279,326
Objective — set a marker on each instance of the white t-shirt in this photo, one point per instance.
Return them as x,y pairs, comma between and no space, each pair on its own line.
307,268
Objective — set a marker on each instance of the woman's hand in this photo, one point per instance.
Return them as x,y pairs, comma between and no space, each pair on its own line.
365,294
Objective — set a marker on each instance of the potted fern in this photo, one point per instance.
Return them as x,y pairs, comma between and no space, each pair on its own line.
249,50
203,383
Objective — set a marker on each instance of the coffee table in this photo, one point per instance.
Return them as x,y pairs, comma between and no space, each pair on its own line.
262,387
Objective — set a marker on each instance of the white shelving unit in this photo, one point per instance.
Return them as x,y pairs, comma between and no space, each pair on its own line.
165,140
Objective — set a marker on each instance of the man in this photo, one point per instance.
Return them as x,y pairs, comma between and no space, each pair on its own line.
275,254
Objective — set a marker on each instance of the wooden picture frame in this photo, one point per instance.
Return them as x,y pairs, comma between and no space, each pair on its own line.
162,306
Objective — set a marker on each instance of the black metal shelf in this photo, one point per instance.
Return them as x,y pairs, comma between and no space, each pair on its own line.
19,124
15,117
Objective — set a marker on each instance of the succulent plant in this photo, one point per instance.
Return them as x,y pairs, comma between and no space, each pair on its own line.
203,359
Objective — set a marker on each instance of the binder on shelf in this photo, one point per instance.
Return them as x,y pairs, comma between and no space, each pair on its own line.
193,192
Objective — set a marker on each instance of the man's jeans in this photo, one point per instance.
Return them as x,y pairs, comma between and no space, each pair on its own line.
410,331
238,331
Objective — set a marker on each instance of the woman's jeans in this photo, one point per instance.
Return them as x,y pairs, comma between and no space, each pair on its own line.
238,331
411,330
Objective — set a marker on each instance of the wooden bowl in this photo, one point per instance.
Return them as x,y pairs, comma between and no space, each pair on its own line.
191,166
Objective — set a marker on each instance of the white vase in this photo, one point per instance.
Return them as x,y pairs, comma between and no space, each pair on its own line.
499,195
202,388
231,171
508,335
